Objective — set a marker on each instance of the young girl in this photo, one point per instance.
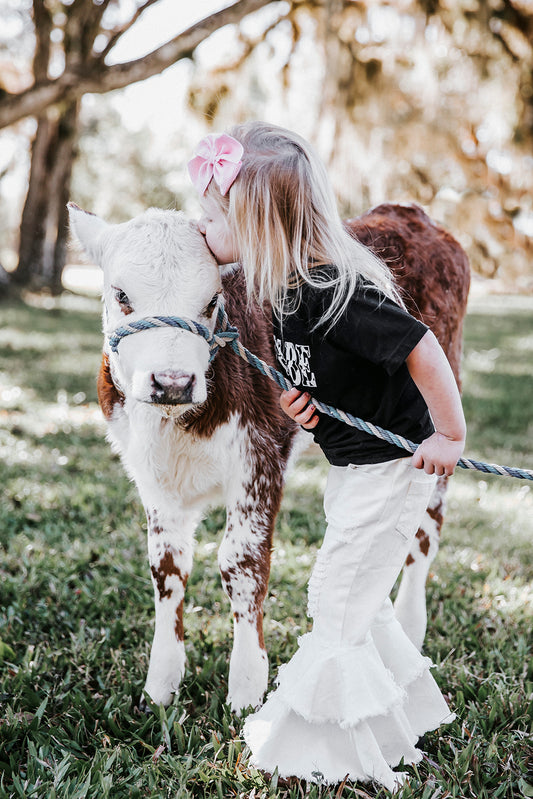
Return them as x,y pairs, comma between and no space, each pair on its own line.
357,695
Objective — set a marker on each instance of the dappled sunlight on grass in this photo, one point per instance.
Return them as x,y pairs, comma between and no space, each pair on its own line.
47,419
41,341
507,596
47,354
309,475
488,535
498,380
77,597
506,504
492,518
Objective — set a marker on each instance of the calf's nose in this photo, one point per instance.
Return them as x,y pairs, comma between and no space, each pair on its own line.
172,388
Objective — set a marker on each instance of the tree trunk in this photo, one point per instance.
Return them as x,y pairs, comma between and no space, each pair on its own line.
43,230
5,283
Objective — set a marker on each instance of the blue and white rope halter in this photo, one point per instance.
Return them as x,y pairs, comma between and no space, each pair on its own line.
227,334
224,332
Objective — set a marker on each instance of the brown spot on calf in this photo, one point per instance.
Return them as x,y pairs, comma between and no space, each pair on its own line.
108,393
166,568
423,541
178,626
430,267
436,514
154,527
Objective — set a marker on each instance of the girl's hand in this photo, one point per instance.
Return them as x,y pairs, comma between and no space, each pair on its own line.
429,368
438,454
295,403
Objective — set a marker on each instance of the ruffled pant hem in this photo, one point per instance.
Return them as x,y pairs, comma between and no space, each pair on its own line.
357,695
340,713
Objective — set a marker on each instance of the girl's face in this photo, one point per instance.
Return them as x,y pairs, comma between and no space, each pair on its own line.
214,226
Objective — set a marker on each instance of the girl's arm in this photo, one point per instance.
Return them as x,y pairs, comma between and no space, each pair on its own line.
430,370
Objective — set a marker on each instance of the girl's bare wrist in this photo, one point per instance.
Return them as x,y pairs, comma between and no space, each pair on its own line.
457,436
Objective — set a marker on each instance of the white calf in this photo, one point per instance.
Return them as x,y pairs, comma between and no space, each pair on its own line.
190,432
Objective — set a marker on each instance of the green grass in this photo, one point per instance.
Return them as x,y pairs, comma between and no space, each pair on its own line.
76,599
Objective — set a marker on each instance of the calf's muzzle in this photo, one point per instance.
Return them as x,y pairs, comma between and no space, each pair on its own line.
172,388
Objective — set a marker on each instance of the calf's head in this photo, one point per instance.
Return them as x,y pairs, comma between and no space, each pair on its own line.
157,264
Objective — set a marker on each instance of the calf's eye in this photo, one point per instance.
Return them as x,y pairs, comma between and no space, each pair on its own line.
210,307
123,300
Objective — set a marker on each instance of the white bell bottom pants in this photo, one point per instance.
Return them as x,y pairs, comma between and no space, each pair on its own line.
356,695
373,513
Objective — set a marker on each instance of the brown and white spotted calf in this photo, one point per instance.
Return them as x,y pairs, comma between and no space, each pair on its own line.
191,433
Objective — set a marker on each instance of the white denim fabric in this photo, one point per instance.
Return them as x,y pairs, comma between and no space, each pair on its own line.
373,513
357,695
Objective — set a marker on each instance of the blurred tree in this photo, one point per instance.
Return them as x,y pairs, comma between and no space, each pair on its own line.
140,176
406,95
72,41
508,22
410,100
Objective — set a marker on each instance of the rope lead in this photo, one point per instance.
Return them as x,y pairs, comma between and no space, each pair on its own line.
226,334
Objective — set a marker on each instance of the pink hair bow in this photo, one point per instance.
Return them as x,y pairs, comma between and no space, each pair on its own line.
217,157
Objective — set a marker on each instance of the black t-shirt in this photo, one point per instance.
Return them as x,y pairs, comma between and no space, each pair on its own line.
357,366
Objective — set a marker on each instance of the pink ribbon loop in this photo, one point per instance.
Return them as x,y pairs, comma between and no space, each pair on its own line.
216,157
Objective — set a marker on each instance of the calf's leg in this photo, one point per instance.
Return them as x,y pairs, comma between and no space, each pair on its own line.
410,604
170,551
244,561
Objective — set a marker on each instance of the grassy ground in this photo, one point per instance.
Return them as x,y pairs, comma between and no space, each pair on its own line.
76,600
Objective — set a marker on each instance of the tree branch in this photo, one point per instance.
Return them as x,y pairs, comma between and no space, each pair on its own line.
100,78
43,27
249,45
116,33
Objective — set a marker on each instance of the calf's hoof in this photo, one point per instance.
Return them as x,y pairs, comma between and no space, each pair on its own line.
152,699
248,679
146,706
245,696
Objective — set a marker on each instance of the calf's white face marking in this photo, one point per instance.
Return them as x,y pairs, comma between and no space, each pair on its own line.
147,272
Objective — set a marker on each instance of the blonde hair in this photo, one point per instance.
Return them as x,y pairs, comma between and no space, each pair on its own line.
282,213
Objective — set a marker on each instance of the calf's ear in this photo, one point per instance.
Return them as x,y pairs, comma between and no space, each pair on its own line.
88,229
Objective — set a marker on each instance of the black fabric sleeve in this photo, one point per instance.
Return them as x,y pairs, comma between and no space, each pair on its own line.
378,329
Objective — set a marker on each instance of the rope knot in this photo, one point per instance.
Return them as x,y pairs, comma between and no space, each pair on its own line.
222,337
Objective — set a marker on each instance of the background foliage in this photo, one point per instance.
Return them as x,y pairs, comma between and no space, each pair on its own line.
410,100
